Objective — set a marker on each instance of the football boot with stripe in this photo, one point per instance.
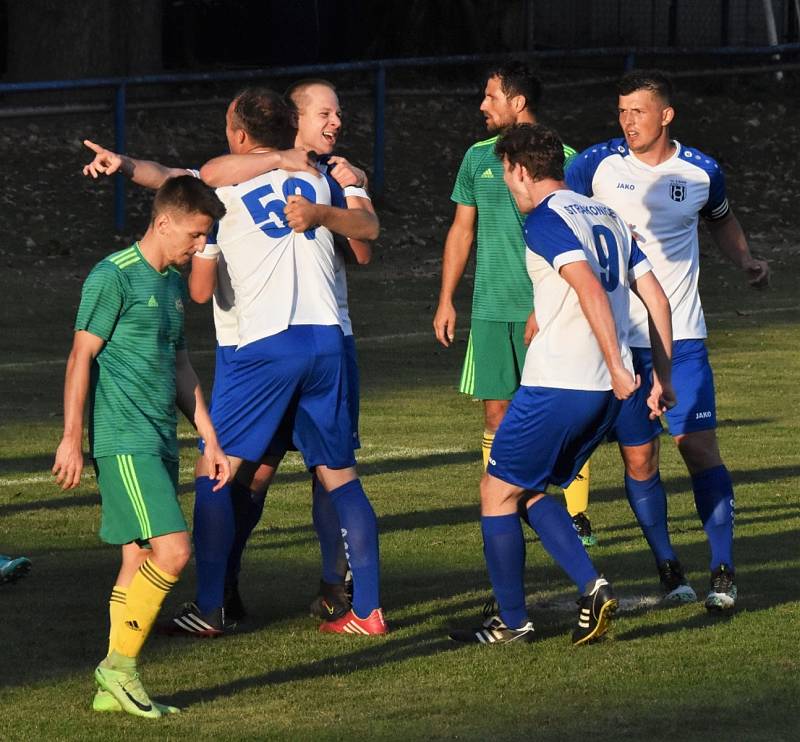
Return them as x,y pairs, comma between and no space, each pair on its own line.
190,621
128,690
595,608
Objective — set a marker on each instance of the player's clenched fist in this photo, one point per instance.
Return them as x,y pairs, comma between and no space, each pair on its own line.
300,213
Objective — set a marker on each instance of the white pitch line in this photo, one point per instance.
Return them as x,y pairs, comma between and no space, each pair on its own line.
375,339
293,464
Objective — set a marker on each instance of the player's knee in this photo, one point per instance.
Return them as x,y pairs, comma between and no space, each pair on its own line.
700,450
641,462
493,414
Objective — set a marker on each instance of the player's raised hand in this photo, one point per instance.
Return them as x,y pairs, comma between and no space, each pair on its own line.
105,161
68,464
300,213
297,160
757,271
624,383
444,324
347,174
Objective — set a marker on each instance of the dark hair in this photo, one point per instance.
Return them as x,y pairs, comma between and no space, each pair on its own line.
296,89
266,118
653,80
534,146
187,194
516,78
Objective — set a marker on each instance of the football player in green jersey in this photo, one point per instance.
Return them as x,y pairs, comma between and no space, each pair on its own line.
130,360
503,321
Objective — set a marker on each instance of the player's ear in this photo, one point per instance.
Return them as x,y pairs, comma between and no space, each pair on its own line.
667,114
162,222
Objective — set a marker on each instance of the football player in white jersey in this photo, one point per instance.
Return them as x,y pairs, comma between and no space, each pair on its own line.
582,259
319,125
661,188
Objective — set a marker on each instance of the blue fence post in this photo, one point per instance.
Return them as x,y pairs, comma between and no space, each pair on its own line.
378,153
119,147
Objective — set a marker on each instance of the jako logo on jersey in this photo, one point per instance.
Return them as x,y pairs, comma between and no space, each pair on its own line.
677,190
487,173
626,186
702,415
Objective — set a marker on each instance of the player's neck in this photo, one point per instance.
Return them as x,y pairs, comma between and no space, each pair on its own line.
541,189
152,252
660,151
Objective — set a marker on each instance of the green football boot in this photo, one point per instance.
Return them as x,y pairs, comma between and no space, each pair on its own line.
104,701
127,689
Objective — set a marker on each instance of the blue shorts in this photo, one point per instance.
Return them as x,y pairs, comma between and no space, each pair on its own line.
297,378
548,434
693,381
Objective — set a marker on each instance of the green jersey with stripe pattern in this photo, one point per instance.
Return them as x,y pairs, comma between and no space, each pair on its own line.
138,311
502,291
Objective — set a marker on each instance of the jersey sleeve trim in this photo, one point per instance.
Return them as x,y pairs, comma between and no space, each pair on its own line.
571,256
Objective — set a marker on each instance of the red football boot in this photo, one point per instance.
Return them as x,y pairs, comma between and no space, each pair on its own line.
351,624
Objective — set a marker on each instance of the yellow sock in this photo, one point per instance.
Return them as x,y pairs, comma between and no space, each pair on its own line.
486,446
577,494
116,611
146,593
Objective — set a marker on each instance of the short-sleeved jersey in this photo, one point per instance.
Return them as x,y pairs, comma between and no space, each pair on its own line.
139,313
565,228
279,277
662,203
502,291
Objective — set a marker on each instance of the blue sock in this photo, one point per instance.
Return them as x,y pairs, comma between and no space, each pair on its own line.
713,498
213,535
648,500
504,550
329,533
247,509
551,521
360,533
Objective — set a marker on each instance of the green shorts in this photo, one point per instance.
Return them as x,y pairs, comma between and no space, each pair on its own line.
495,357
140,497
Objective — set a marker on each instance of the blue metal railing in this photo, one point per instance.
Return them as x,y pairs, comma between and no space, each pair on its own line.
120,86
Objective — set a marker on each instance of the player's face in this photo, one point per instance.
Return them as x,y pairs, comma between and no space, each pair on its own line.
320,120
496,107
187,234
644,118
514,177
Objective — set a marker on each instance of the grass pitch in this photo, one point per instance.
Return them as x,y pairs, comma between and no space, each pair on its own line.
660,674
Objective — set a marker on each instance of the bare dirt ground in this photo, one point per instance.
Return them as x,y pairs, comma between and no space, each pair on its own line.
55,223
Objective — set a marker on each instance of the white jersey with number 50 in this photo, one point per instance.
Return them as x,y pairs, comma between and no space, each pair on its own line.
566,228
279,277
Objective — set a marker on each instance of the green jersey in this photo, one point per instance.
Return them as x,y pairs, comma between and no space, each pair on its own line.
503,291
139,313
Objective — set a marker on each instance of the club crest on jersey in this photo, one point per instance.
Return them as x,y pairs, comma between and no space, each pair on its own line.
179,305
677,190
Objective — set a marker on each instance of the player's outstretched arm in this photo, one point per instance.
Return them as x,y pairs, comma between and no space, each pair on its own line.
228,170
190,401
648,289
301,215
597,310
457,247
729,238
68,463
146,173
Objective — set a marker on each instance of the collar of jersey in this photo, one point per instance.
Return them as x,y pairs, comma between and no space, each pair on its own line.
661,165
138,249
